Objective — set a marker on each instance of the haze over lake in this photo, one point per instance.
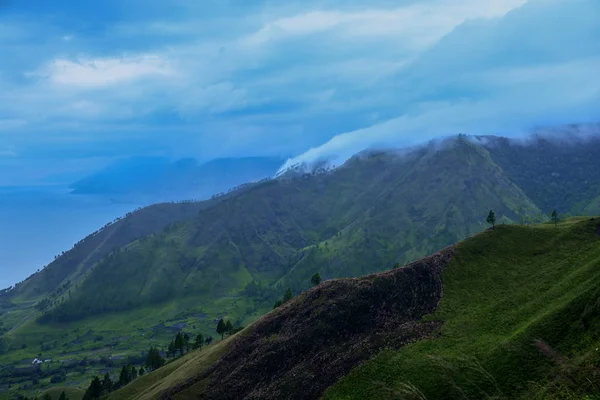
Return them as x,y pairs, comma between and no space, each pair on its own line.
37,223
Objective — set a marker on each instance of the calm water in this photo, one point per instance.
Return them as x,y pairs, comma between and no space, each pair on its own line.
37,223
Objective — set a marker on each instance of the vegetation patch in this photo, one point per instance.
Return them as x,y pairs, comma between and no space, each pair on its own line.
295,353
521,319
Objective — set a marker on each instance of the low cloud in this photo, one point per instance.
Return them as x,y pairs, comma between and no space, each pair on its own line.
516,80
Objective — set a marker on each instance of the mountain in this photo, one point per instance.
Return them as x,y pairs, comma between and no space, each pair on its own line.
74,263
556,172
162,179
509,313
235,255
377,210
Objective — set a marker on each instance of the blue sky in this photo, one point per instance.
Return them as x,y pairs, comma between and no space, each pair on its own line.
83,83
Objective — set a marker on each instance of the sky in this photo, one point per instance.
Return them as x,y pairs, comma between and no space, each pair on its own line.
85,83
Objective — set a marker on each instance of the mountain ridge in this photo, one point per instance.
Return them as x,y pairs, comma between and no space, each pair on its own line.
534,347
164,180
261,233
235,255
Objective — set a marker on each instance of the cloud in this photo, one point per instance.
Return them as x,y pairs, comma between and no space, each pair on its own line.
233,78
418,24
100,72
504,76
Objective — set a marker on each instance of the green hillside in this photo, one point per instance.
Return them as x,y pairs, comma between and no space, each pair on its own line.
375,211
556,173
70,393
173,267
518,318
71,265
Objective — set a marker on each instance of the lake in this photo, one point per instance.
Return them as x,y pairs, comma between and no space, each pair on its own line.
37,223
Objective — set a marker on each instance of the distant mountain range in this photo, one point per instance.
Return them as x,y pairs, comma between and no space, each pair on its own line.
160,179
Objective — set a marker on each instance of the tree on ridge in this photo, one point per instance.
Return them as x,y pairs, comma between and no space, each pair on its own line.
221,328
316,279
554,217
491,219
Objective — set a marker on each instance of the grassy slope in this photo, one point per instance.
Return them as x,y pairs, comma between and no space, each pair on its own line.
593,208
71,393
160,381
437,201
311,342
502,290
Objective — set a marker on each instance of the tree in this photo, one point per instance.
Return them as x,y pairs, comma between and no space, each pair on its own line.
46,397
133,374
287,296
171,349
316,279
94,391
180,343
63,396
186,342
221,328
154,359
198,341
141,372
554,217
208,340
491,219
124,376
107,383
277,304
228,327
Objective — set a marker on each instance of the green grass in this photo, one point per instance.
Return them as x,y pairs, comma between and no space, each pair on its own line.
118,335
508,294
502,291
71,393
134,330
152,385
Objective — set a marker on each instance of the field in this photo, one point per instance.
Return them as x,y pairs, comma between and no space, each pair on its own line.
100,344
